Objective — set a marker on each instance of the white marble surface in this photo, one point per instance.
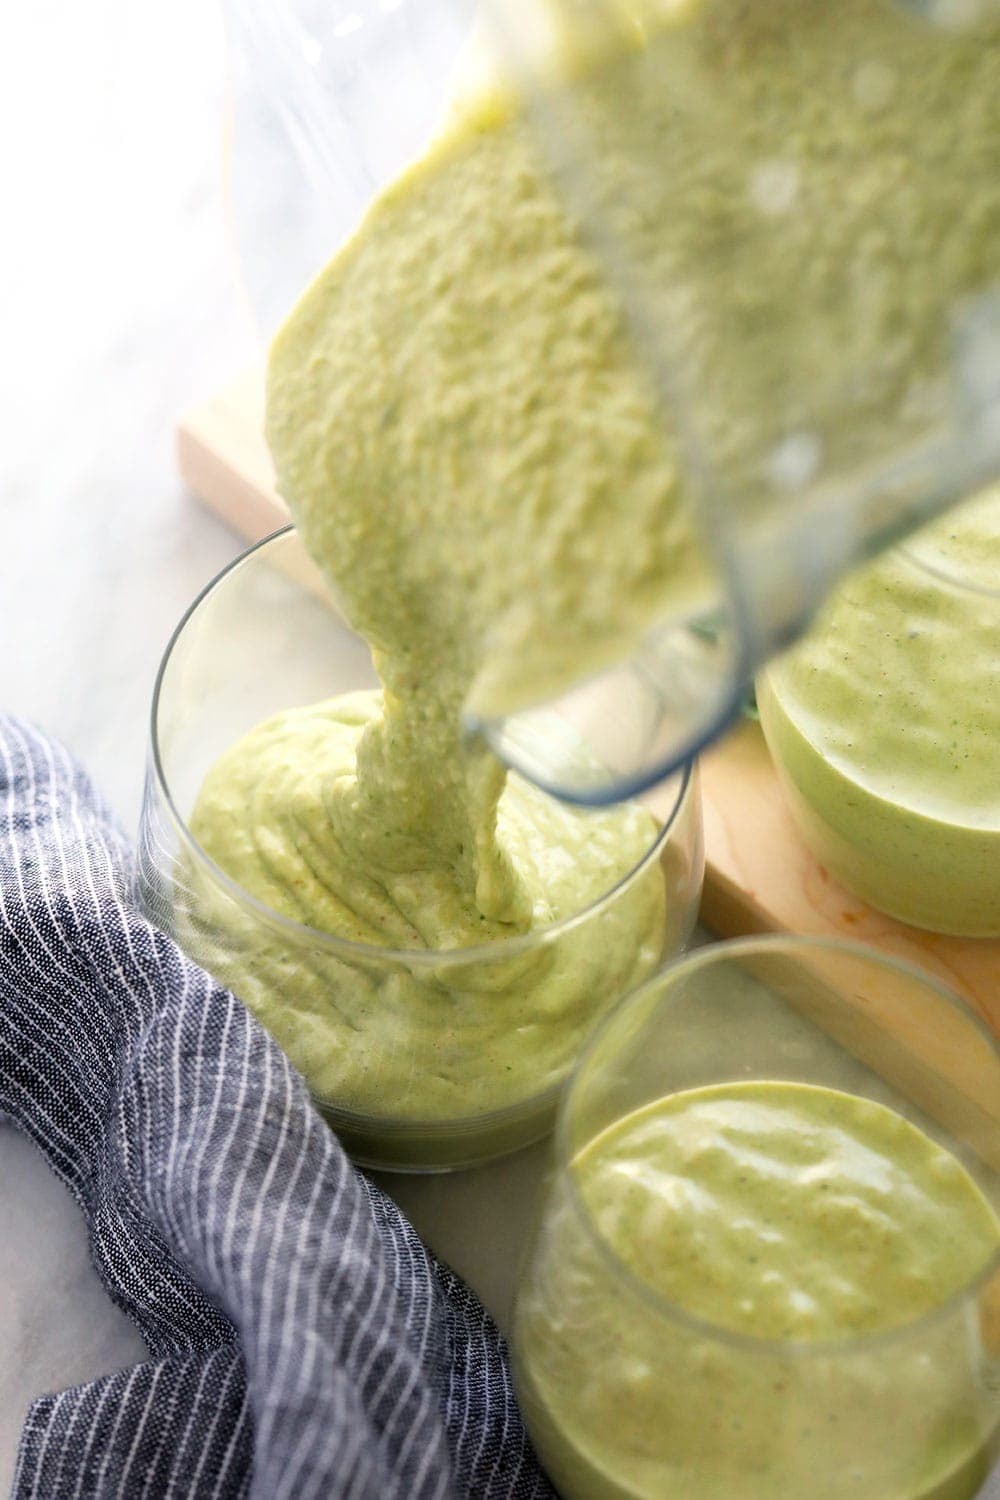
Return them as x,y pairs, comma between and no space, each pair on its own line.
119,309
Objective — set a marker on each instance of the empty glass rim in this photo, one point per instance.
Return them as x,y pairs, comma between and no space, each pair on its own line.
301,932
657,1302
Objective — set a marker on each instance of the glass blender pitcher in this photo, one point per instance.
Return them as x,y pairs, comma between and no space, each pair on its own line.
797,205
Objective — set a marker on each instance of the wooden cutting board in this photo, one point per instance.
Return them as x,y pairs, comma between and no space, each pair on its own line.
759,876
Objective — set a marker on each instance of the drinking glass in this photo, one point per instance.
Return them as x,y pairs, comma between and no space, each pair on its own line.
628,1396
926,850
377,1031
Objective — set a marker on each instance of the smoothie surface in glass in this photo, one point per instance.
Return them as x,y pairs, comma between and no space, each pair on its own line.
796,1216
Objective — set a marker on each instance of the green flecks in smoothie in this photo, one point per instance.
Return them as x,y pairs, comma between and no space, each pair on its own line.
469,440
743,1320
467,443
475,454
787,1211
473,459
386,1035
459,408
271,803
885,723
805,202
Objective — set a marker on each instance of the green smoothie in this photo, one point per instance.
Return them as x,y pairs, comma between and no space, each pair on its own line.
474,452
885,726
474,460
380,1028
765,1235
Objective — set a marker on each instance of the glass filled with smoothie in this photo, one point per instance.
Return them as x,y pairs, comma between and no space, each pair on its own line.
884,726
768,1263
433,1020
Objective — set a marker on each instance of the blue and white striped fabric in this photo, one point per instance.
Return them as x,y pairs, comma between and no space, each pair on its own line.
302,1341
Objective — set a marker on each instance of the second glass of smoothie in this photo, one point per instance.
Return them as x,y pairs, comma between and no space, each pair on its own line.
768,1265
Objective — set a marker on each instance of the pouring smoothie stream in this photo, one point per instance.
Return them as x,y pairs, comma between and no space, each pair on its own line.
766,1263
457,423
477,457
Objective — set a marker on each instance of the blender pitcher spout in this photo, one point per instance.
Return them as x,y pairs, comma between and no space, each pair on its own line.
623,730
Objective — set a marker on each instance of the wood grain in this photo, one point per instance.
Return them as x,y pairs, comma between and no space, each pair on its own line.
224,460
759,875
762,878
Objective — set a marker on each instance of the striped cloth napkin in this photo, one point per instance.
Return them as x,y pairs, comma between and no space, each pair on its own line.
302,1341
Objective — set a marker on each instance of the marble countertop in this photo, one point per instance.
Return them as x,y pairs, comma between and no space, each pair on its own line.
120,307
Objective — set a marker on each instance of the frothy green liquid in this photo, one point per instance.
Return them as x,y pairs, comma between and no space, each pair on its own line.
779,1214
885,726
475,453
374,1032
